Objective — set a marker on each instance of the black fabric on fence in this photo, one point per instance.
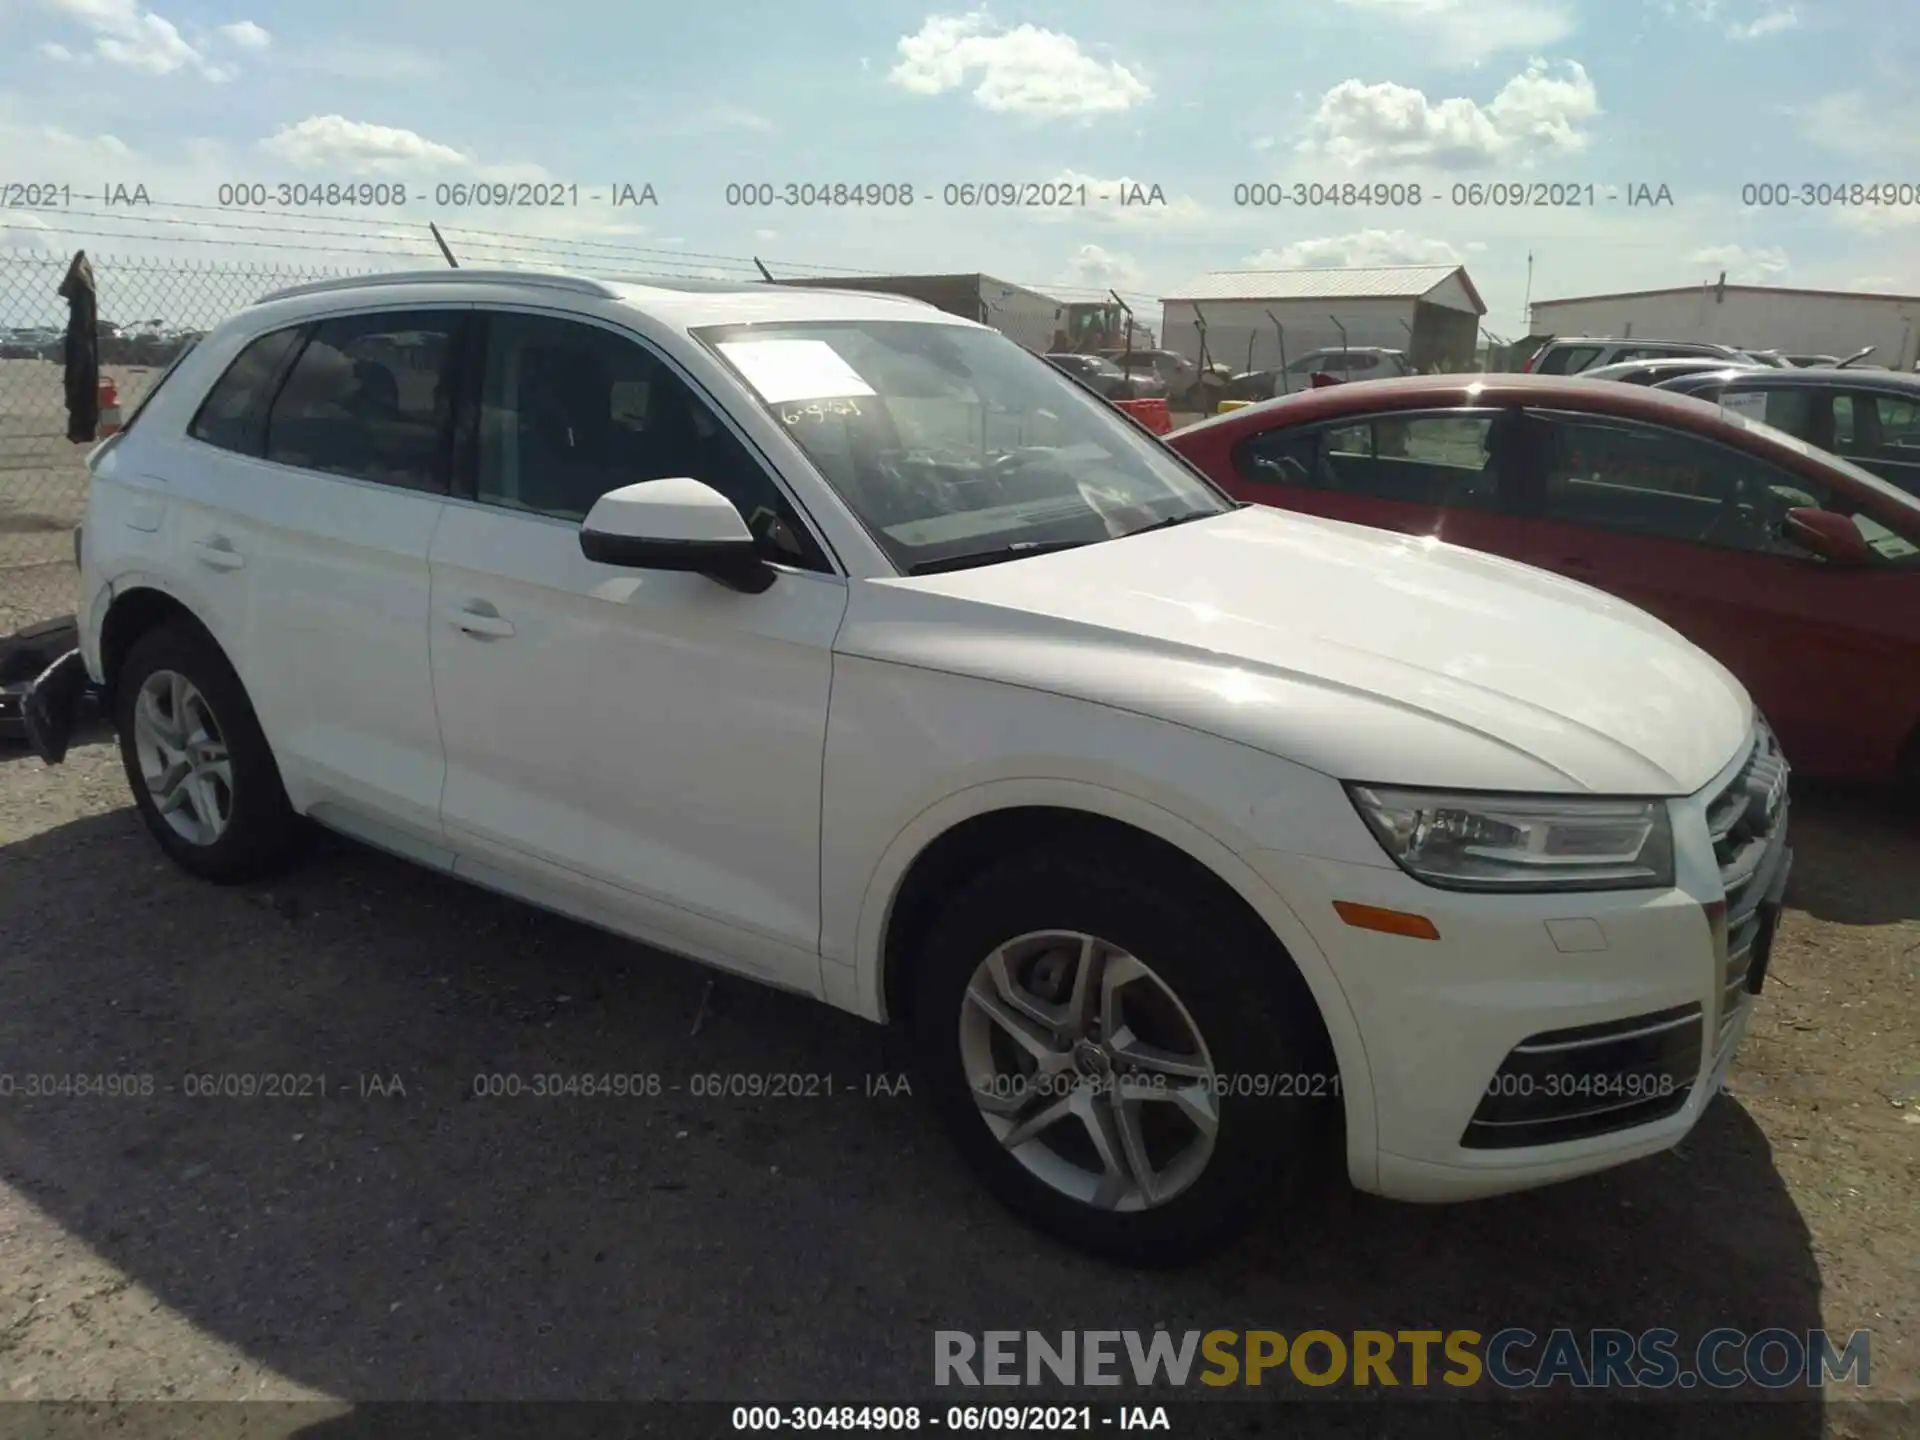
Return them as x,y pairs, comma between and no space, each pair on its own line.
83,350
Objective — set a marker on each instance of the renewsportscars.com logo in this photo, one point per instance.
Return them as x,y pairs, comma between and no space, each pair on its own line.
1511,1359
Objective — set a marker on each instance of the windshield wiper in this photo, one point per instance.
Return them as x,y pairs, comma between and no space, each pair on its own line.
1019,550
1176,520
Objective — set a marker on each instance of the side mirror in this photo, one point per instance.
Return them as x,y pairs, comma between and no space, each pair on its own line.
678,524
1830,536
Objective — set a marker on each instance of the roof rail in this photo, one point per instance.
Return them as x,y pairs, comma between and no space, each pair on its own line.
576,283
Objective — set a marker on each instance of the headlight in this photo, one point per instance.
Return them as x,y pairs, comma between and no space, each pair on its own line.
1463,841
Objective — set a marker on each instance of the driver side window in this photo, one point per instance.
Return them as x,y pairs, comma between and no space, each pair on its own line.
1648,480
570,411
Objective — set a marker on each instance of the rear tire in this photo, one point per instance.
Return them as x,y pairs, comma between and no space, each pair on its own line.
1112,1172
203,777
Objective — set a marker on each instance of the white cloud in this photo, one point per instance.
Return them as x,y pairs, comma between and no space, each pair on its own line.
247,35
356,146
1095,266
58,53
764,235
127,35
1875,219
1742,22
1361,248
50,141
1466,32
21,233
1742,266
1848,122
1772,22
1880,284
1021,71
1537,114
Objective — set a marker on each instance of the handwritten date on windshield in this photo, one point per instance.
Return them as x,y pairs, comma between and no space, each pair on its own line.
817,411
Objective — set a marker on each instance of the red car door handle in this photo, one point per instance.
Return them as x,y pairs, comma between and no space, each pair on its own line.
1574,562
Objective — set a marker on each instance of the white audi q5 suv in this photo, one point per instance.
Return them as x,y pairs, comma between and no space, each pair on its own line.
838,642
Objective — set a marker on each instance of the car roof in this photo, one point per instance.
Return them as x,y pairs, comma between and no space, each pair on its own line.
1810,377
1682,364
683,304
1635,340
1551,392
1425,392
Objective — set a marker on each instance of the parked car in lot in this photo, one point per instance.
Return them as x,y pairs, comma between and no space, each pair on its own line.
1652,372
839,642
1871,417
1569,355
1359,363
1186,384
1102,375
1799,570
1833,362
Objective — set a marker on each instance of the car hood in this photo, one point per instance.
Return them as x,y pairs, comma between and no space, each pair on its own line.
1364,654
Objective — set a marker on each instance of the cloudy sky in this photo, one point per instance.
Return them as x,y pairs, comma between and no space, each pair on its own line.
1704,97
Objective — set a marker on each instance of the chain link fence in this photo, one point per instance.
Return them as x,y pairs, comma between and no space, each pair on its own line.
149,309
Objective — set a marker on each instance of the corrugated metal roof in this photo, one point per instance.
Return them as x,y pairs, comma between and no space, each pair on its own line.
1731,289
1324,282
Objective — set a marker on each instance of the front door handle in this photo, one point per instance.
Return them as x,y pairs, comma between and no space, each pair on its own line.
486,624
1575,562
217,554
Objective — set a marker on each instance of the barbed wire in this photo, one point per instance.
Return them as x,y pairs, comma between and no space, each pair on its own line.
575,248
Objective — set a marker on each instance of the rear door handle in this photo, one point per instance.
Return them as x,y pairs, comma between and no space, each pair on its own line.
217,554
1574,562
486,624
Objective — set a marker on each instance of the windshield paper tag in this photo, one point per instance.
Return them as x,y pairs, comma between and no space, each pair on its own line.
788,370
1750,406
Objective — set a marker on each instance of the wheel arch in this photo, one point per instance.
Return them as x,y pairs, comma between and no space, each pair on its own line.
962,834
138,610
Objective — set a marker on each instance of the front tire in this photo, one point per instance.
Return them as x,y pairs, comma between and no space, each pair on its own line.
1127,1066
203,777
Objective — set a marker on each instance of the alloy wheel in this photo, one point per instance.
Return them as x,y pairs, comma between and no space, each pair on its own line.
183,756
1089,1071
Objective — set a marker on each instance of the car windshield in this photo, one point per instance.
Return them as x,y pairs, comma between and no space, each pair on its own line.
953,445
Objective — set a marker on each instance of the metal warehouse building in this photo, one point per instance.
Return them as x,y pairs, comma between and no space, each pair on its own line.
1024,316
1755,317
1260,319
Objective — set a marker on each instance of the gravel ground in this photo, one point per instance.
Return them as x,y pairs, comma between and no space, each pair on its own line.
423,1243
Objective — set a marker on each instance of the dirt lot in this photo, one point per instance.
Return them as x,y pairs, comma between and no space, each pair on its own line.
425,1243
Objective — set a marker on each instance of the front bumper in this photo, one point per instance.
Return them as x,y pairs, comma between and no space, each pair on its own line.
1543,1037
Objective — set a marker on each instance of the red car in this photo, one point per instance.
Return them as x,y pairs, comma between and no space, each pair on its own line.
1799,571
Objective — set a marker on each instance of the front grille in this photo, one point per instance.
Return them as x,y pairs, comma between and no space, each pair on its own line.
1748,823
1592,1080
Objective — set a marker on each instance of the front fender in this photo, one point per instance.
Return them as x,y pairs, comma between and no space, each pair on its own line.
911,754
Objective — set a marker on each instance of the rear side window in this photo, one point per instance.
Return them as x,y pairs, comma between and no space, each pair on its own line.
1442,460
154,389
371,398
234,414
1567,359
